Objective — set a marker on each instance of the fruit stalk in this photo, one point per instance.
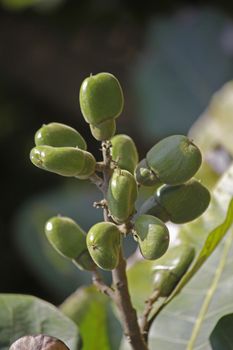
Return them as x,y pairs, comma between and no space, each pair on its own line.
122,297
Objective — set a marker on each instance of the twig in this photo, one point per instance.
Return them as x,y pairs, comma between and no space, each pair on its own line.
97,181
148,308
128,313
101,286
122,296
151,320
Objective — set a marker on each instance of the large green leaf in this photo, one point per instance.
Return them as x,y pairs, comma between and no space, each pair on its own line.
91,311
222,335
189,319
192,315
175,77
23,315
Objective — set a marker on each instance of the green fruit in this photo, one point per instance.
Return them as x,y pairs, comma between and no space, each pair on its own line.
152,236
124,152
179,204
171,267
184,202
84,261
174,160
66,236
144,175
59,135
103,242
65,161
122,194
101,98
103,131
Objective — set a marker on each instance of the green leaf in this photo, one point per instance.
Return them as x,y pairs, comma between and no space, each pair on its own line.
214,128
92,312
24,315
187,322
222,335
173,78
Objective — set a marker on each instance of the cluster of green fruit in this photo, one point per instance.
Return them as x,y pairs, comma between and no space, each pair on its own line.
169,165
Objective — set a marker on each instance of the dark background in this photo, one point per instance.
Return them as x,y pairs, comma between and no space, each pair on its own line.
44,56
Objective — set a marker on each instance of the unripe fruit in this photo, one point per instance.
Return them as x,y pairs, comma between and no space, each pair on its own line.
124,152
171,267
38,342
174,160
65,161
103,242
67,237
152,236
144,175
179,204
59,135
101,101
122,194
184,202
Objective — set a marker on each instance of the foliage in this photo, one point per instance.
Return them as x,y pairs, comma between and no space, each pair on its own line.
177,314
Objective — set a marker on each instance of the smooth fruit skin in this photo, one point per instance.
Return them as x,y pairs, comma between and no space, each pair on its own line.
174,160
124,152
59,135
152,236
184,203
66,236
101,98
171,267
103,242
144,175
65,161
122,194
103,131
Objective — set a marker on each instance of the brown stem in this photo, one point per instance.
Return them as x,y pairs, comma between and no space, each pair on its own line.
101,286
128,313
122,296
151,320
145,324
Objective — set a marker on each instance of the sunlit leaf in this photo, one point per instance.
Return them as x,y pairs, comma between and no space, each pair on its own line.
26,315
91,311
186,321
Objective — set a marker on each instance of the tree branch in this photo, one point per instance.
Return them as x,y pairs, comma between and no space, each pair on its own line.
122,296
128,313
145,324
101,286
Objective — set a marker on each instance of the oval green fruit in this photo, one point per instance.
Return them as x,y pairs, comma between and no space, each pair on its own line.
66,236
184,202
103,131
101,98
65,161
171,267
152,236
59,135
122,194
144,175
174,160
124,152
103,242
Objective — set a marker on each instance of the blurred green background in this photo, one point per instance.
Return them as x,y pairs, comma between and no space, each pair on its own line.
170,57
